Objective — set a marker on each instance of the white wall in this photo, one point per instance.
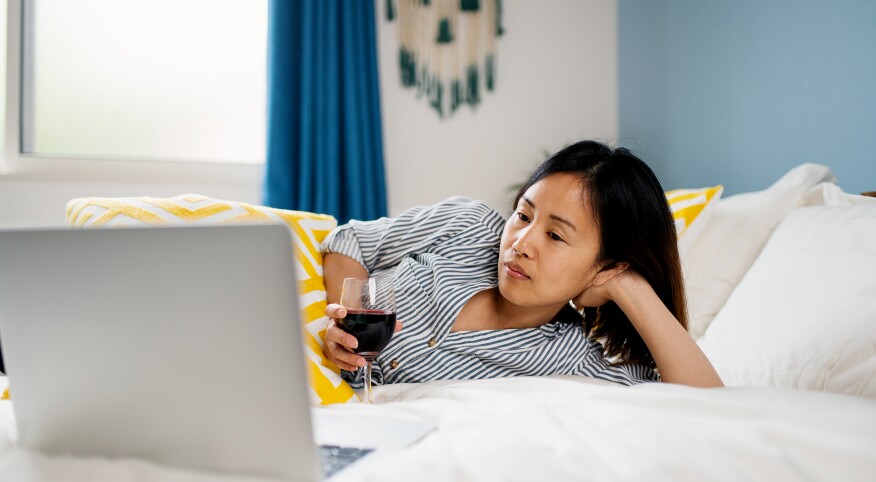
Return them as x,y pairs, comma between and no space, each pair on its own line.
556,83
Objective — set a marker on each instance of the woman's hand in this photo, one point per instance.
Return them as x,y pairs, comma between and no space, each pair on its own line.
339,346
606,286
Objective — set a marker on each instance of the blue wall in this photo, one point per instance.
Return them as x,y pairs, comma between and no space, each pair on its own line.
739,91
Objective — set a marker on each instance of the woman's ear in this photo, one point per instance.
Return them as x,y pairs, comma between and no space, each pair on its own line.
609,271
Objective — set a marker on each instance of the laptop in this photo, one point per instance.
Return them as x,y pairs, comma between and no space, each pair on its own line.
178,345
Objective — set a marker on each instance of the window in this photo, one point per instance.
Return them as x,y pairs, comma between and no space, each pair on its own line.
2,78
156,80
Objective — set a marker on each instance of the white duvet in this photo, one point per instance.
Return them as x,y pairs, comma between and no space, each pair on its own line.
565,428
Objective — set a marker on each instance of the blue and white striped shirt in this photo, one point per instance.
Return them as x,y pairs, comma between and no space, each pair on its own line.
440,256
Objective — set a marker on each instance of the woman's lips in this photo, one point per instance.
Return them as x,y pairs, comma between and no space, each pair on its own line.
515,271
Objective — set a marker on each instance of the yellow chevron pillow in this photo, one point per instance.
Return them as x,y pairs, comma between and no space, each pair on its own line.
692,209
308,231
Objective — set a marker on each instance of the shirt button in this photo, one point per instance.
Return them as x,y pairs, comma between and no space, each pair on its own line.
393,364
432,342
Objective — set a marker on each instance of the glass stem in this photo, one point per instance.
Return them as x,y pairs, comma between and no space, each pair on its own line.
368,382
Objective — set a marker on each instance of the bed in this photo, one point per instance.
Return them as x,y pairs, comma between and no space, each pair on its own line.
783,301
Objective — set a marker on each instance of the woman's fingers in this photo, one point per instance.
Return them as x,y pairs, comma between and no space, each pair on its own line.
345,360
335,311
334,333
339,346
398,326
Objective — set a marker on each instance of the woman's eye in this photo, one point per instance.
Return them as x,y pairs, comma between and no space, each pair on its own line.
555,236
523,217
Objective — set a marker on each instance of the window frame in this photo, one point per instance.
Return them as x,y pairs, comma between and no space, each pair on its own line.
18,165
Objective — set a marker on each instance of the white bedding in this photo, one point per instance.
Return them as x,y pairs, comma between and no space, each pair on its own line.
565,428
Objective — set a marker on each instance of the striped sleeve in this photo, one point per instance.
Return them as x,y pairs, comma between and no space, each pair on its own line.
384,242
595,365
628,374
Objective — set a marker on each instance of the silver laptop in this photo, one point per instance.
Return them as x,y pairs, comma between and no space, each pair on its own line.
177,345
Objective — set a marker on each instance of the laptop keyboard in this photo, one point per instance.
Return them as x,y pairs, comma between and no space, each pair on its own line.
333,458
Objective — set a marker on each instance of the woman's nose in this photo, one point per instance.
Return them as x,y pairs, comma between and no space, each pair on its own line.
521,245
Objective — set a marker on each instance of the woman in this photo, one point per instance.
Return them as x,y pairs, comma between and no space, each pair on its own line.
482,298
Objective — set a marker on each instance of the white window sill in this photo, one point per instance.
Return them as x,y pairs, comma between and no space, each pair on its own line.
27,168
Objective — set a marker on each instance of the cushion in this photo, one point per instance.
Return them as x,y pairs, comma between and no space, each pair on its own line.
803,316
692,209
737,231
829,194
308,231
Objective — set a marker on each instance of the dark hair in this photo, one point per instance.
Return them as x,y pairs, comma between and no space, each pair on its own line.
636,227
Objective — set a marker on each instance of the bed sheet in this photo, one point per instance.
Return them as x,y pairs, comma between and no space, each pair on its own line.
568,428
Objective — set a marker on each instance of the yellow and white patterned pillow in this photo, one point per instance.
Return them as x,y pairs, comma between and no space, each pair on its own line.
691,209
308,231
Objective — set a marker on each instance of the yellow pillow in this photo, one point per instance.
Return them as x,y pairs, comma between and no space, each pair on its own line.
308,231
692,209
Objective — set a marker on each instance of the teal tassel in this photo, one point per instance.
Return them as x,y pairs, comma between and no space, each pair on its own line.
422,81
437,97
455,94
472,95
445,35
469,5
390,10
406,67
490,72
425,2
500,30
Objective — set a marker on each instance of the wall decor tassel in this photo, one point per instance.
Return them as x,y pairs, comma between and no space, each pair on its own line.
390,10
447,49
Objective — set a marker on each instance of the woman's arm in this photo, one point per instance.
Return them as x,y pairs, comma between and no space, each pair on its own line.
678,358
383,243
358,248
335,268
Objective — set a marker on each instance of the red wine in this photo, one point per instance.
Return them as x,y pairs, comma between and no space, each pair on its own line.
373,329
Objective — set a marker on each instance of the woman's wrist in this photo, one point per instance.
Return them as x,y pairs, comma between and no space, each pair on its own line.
628,286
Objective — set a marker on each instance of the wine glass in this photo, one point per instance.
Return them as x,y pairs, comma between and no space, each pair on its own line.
370,305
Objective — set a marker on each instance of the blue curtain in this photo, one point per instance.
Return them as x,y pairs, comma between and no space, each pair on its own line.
325,147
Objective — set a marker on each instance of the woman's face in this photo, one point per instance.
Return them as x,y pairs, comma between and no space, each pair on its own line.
550,244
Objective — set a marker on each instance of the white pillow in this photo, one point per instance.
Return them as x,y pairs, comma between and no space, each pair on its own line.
739,227
804,316
829,194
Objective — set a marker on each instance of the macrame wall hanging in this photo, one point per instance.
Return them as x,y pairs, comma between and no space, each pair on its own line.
447,49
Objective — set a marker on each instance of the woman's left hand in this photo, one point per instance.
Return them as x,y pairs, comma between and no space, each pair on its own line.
605,287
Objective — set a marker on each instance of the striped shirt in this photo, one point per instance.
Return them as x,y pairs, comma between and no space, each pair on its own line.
439,257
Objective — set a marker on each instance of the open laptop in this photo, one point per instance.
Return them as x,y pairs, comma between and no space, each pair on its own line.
178,345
